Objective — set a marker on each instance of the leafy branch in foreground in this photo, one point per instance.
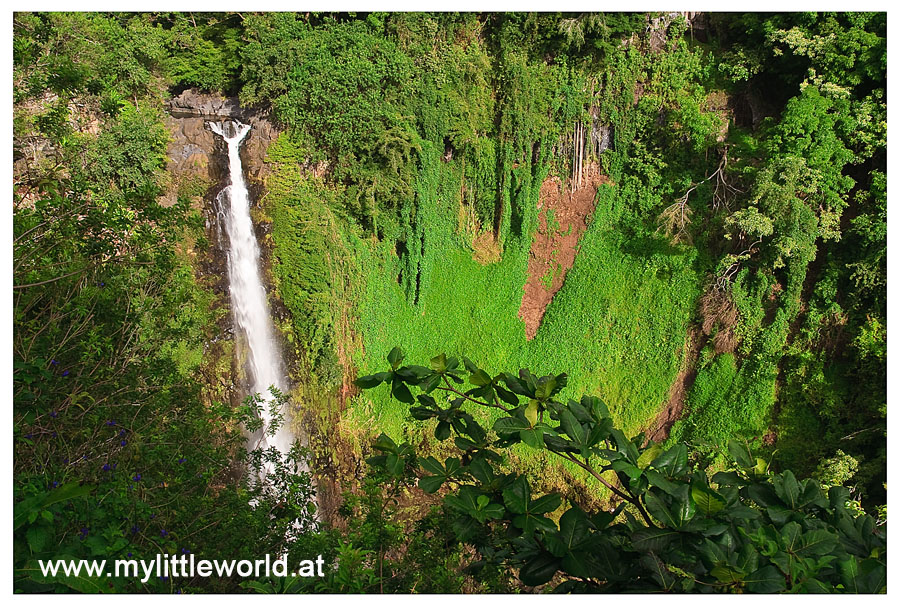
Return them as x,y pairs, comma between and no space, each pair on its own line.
674,529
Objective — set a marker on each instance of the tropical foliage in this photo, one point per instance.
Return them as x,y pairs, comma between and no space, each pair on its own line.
728,291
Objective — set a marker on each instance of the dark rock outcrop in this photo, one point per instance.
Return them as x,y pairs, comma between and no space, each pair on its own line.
197,160
192,104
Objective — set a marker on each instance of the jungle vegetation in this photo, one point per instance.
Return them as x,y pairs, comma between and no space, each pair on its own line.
736,247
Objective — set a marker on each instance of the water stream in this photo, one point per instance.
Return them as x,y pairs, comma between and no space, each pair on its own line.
252,316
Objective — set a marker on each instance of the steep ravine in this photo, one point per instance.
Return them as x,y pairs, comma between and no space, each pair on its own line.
198,165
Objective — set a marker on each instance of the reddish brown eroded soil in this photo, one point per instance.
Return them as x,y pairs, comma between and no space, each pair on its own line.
553,250
681,386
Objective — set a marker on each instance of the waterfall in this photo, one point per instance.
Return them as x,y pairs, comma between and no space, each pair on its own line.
248,296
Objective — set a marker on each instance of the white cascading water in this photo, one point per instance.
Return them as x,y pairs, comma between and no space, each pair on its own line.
248,296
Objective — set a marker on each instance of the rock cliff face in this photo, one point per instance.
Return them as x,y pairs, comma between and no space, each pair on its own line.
197,164
197,158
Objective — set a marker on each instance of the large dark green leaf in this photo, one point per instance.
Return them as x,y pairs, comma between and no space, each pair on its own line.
626,446
765,580
632,471
872,576
492,511
572,427
442,430
672,462
394,464
545,504
763,494
816,543
539,569
517,499
413,374
480,378
506,396
481,470
813,586
708,502
506,426
464,443
649,454
673,515
580,412
545,387
728,478
726,574
574,532
518,496
787,488
37,537
395,357
516,386
659,480
653,539
659,572
740,452
370,381
421,413
594,404
401,392
465,500
431,484
533,437
430,383
528,380
790,536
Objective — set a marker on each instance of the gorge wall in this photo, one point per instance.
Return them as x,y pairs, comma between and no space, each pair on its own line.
197,166
196,155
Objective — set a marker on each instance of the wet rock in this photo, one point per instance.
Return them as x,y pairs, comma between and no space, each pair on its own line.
193,104
197,159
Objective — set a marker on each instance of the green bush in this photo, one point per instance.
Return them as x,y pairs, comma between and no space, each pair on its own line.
674,528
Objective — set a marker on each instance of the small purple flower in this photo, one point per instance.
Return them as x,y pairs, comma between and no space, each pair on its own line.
29,436
163,533
134,530
53,362
152,515
185,550
53,414
84,533
106,467
53,434
122,433
65,373
54,484
182,460
66,460
137,478
111,422
129,554
103,284
123,443
84,457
